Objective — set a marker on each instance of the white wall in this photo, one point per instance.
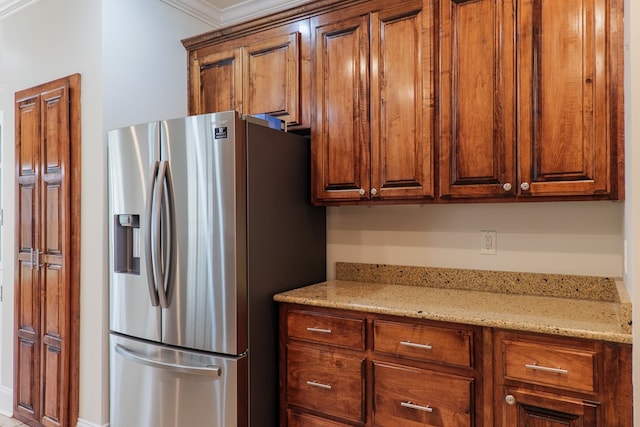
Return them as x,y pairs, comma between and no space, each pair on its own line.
133,69
145,64
42,43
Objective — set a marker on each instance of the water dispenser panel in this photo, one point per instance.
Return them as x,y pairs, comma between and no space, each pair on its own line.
126,246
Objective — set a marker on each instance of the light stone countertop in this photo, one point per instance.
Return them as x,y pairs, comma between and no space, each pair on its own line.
601,318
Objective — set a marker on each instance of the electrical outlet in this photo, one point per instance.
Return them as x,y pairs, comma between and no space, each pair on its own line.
488,242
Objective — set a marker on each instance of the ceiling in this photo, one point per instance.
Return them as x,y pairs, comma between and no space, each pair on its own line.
216,13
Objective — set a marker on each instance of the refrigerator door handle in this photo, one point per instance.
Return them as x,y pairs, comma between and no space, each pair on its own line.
164,278
149,255
211,370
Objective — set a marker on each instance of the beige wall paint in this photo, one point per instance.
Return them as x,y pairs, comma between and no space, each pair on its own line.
572,237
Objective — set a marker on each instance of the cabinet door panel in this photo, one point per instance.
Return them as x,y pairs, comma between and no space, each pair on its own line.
477,99
271,83
563,121
401,102
536,409
340,138
220,82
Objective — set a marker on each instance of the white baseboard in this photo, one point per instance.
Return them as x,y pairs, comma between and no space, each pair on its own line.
6,401
83,423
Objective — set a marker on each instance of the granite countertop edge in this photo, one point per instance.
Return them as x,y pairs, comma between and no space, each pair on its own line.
571,317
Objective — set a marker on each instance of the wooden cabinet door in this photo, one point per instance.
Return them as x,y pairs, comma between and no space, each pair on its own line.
341,160
271,78
27,284
262,72
477,99
402,102
216,82
525,408
47,239
563,124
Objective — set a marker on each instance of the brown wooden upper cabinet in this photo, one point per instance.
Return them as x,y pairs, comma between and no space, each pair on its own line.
433,100
372,99
253,74
531,99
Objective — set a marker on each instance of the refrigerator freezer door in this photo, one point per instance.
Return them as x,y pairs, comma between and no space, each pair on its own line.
207,297
156,386
132,153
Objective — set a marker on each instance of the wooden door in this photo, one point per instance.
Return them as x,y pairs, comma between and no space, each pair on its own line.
271,78
564,144
525,408
215,82
340,149
47,239
402,126
477,99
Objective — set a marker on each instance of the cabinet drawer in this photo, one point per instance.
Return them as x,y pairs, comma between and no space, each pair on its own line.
405,396
326,329
562,367
449,346
295,419
325,381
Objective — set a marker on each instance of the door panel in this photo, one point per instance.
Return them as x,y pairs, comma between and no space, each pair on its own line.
528,408
27,289
272,85
47,238
131,154
477,156
340,138
563,125
401,102
180,388
221,74
210,255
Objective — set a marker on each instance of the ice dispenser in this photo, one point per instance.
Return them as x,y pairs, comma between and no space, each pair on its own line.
126,243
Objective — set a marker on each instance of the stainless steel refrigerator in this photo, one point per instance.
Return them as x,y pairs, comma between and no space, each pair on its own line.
210,216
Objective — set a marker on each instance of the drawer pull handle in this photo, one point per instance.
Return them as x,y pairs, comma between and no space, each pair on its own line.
316,384
323,331
546,369
418,407
416,345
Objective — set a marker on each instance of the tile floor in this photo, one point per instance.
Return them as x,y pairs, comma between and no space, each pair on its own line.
9,422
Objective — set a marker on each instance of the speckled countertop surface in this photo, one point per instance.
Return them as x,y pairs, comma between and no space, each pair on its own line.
576,306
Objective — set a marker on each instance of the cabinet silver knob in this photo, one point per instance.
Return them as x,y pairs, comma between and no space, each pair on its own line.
510,399
524,186
374,191
361,191
507,186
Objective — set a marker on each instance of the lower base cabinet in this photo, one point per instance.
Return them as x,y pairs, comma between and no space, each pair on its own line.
556,381
342,368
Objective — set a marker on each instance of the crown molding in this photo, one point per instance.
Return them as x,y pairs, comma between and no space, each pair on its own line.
204,11
238,11
8,7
